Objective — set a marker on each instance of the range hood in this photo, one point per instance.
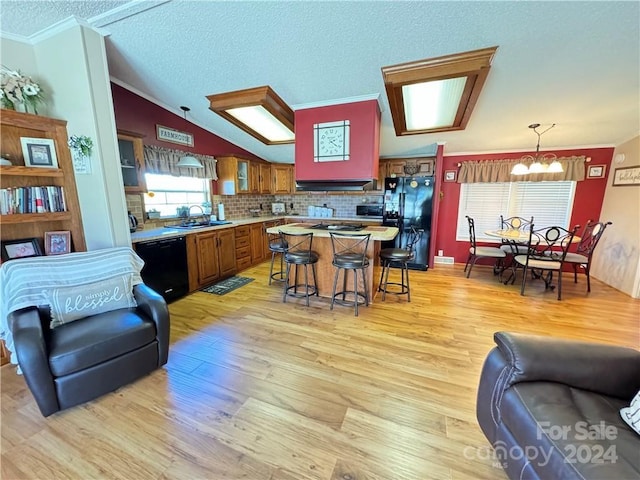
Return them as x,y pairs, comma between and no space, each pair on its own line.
335,185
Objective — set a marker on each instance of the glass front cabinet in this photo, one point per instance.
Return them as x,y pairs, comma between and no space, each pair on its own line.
132,161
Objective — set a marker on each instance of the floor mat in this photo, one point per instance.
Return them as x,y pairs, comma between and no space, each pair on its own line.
227,285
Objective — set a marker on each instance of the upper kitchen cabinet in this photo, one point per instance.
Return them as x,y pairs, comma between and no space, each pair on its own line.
283,178
264,183
132,161
409,166
237,174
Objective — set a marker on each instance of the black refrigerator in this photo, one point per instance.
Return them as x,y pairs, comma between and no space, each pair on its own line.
408,201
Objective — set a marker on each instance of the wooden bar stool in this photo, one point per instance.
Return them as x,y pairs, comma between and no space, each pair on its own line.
350,253
398,258
299,253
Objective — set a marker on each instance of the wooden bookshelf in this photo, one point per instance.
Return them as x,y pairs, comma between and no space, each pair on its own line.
14,125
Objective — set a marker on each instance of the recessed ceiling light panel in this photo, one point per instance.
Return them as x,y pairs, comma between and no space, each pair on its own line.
258,111
436,94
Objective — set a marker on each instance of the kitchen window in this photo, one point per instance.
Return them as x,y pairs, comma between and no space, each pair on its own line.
550,203
167,193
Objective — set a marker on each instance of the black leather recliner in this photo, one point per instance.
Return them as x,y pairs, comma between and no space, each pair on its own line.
550,408
82,360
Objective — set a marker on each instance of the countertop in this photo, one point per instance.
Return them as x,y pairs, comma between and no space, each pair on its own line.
164,232
377,232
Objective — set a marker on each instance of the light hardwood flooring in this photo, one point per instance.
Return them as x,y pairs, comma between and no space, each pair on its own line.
257,389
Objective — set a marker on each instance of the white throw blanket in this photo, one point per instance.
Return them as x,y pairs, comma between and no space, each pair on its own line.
29,282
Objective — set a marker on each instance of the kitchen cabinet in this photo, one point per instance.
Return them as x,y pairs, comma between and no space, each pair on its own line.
264,176
237,174
424,166
283,178
243,247
132,161
15,125
211,257
256,235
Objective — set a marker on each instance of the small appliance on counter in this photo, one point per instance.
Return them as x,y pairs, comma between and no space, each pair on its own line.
277,209
369,210
133,223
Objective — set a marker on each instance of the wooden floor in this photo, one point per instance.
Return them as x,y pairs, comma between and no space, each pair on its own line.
257,389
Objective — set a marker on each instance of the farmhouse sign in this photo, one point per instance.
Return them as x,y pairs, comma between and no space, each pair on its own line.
167,134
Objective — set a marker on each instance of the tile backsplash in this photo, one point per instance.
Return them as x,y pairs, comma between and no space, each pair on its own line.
240,206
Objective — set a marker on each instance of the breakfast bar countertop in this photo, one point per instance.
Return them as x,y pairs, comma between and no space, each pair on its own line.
378,233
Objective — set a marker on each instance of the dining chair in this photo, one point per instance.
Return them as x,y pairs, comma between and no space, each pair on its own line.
476,252
546,252
588,241
514,223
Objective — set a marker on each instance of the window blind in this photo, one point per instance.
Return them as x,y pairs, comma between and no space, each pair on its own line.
550,203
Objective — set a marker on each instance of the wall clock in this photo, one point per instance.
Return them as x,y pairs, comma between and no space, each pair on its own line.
331,141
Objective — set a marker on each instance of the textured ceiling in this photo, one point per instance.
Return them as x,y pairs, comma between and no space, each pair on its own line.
576,64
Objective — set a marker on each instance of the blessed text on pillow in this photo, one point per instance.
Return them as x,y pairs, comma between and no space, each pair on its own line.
71,303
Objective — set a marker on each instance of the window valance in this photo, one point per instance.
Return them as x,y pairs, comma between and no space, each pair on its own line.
499,171
160,160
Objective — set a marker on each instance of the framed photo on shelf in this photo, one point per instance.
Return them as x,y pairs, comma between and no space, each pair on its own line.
626,176
22,248
596,171
450,175
39,152
57,243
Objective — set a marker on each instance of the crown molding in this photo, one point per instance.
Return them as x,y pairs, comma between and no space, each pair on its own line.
328,103
14,37
124,11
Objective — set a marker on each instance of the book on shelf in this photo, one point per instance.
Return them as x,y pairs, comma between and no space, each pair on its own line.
37,199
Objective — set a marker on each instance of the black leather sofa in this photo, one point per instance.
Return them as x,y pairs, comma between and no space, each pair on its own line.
550,408
84,359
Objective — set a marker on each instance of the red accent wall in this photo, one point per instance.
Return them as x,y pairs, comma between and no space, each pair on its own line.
587,202
139,115
364,120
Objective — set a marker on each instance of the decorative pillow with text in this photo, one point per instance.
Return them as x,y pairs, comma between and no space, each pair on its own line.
631,414
74,302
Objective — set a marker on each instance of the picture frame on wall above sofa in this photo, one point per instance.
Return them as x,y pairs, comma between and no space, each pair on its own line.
596,171
626,176
39,152
21,248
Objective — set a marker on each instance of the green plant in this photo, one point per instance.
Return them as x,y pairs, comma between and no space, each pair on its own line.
81,144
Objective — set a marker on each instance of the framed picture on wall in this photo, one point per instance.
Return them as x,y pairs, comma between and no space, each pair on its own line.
596,171
626,176
450,175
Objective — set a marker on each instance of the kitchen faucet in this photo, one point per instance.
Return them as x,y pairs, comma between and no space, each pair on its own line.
205,217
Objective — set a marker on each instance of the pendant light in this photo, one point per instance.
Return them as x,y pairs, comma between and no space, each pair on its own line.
188,161
540,163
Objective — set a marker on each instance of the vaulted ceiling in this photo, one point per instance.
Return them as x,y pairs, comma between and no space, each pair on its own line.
576,64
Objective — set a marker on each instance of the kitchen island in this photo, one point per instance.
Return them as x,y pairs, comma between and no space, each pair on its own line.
325,271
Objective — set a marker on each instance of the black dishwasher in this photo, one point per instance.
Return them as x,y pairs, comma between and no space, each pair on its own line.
165,266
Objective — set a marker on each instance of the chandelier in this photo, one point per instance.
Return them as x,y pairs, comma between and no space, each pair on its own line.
540,163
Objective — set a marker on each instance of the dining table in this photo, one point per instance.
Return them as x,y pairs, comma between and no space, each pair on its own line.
514,238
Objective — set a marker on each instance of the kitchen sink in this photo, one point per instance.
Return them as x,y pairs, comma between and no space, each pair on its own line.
192,225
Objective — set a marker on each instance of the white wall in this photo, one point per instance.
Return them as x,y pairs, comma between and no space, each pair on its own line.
71,63
616,261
